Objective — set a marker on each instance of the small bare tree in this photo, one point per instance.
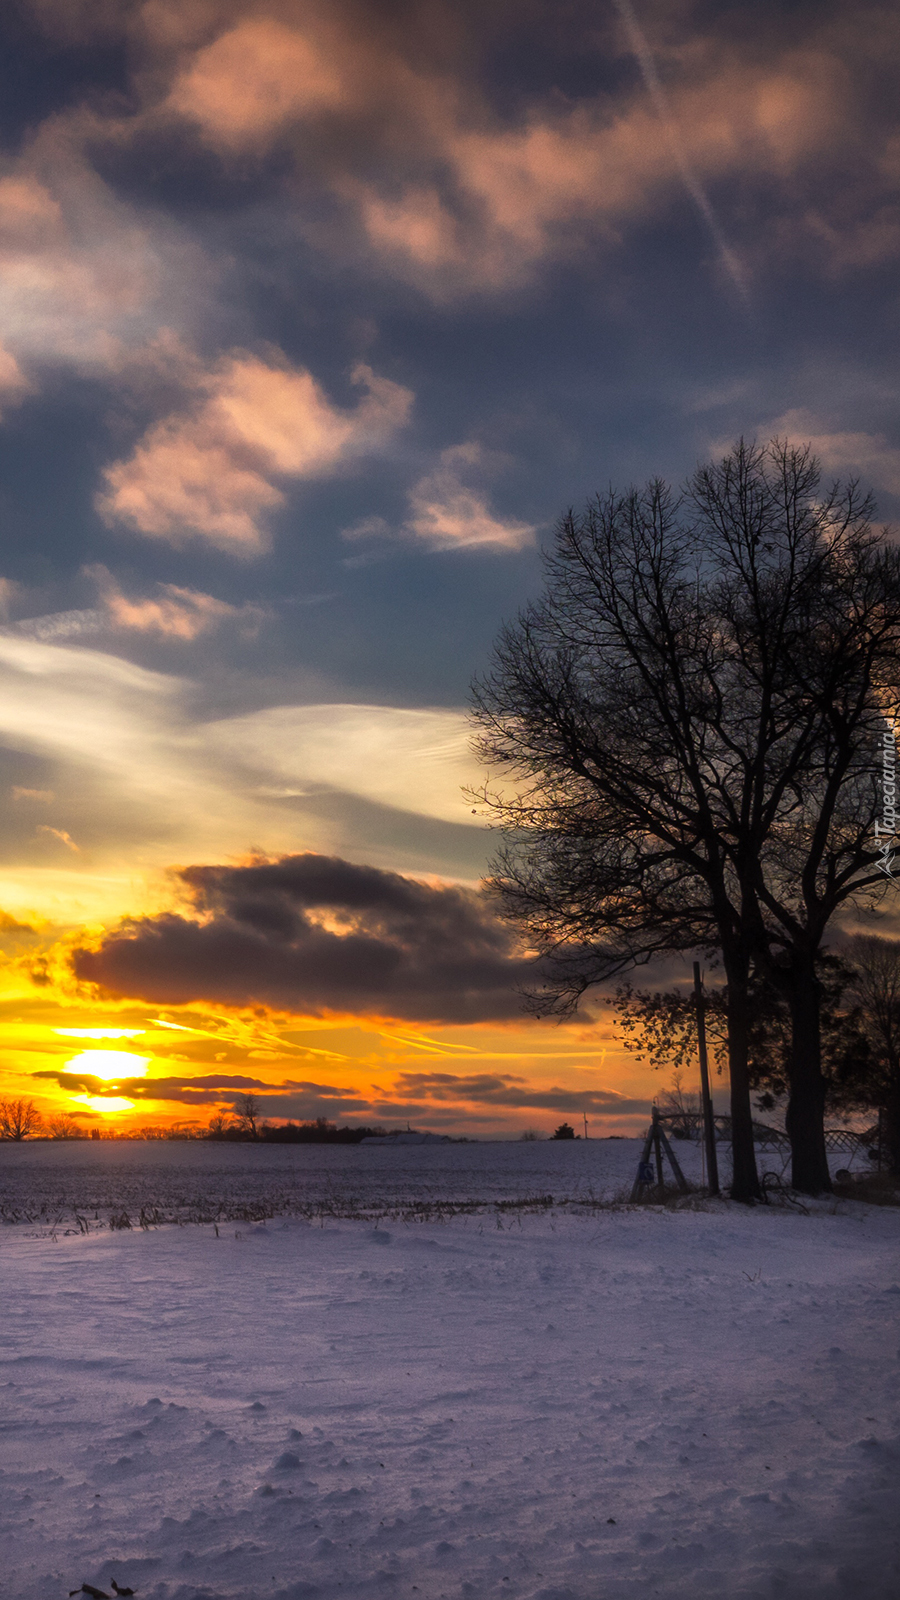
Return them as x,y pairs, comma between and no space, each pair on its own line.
220,1124
19,1119
681,1104
64,1126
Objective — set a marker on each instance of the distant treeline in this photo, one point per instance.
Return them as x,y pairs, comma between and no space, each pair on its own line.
319,1132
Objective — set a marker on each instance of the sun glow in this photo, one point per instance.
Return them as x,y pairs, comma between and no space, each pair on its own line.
99,1033
109,1064
104,1103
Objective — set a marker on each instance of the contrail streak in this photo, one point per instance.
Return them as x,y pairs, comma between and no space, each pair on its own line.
641,51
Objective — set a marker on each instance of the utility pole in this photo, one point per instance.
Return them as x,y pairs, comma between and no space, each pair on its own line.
709,1126
584,1114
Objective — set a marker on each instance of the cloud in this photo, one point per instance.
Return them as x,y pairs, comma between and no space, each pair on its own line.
175,613
314,934
448,514
9,594
870,455
56,625
14,385
503,1090
212,472
253,80
415,760
456,197
142,780
211,1087
60,834
83,276
449,509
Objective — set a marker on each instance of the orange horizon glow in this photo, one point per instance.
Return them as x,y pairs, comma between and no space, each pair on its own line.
386,1071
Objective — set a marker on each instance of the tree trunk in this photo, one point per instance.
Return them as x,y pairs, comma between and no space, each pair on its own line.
805,1118
744,1177
891,1129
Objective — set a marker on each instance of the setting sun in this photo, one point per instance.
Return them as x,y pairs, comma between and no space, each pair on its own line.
109,1064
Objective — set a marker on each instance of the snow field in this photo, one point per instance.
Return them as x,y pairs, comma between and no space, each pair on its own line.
196,1181
592,1407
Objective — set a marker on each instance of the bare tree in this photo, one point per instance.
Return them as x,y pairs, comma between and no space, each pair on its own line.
220,1124
682,1105
811,598
19,1119
63,1126
689,719
247,1110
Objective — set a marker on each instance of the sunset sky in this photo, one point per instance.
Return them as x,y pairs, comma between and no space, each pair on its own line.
315,317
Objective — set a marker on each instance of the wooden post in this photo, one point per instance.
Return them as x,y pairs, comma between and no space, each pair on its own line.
636,1186
709,1126
657,1146
680,1178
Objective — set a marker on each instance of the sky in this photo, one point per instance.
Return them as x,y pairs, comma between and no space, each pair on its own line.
314,318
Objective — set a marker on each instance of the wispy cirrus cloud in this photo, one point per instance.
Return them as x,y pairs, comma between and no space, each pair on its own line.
86,278
134,768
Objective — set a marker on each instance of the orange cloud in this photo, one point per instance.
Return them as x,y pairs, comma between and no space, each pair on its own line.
208,473
446,192
251,81
463,201
14,385
522,194
447,513
60,834
176,613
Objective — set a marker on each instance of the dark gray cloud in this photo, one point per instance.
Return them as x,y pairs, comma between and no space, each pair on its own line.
289,1099
421,1097
211,1087
316,934
504,1090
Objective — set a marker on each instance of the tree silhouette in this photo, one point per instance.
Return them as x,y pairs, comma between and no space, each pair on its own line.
247,1110
19,1119
688,724
873,1076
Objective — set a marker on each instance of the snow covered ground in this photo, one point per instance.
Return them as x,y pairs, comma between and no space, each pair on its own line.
197,1181
588,1406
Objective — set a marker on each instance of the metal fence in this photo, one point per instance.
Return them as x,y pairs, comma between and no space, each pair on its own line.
689,1125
